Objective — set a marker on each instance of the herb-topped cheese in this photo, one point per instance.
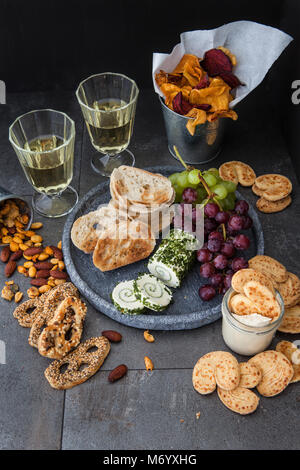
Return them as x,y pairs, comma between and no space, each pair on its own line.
152,292
173,258
125,300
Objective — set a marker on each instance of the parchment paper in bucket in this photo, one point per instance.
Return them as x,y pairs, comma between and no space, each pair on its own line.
255,46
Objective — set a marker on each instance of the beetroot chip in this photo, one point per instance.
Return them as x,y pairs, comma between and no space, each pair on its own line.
205,107
216,62
180,105
230,79
204,82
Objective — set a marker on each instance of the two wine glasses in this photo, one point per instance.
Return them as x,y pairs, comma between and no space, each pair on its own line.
44,140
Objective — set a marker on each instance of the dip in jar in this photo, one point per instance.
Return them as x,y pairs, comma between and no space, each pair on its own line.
253,337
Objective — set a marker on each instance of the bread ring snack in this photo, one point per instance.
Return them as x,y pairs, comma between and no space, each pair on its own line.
27,312
277,372
240,400
52,301
217,367
81,356
52,341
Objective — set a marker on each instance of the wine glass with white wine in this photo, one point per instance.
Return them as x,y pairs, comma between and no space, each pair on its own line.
108,103
44,143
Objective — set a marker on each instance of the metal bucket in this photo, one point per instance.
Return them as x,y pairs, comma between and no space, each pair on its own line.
25,208
199,148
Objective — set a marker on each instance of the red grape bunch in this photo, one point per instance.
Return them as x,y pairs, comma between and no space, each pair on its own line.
218,257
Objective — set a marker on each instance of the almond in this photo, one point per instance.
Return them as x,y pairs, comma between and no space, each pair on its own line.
58,274
43,265
117,373
38,282
43,273
113,336
58,254
5,253
34,250
10,268
16,255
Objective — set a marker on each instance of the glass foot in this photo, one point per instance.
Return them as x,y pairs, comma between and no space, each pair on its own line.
55,206
105,164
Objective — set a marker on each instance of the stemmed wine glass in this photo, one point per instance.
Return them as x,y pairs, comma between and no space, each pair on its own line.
108,103
44,143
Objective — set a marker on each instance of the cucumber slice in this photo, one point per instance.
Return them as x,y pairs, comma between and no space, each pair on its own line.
124,299
152,292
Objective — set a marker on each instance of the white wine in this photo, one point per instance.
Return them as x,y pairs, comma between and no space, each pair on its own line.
110,129
49,172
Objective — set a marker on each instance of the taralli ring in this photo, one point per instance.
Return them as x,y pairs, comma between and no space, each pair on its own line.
53,342
73,375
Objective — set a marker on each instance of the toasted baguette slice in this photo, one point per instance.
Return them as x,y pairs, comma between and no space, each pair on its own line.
140,186
126,243
87,228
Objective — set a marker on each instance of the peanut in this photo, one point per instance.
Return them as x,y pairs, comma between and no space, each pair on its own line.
43,257
18,296
61,265
13,246
36,225
48,251
148,363
22,270
58,282
32,292
28,264
54,261
7,239
59,245
18,240
32,271
44,288
36,239
148,337
23,247
29,233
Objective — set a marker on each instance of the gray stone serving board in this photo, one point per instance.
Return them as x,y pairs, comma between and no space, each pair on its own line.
186,312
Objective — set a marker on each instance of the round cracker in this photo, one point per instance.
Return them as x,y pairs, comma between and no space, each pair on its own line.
250,375
217,367
241,305
270,267
287,348
277,372
245,174
256,190
228,173
274,186
242,276
240,400
290,290
263,298
269,207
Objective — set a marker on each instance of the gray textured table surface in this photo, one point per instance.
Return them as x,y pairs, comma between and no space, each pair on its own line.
155,410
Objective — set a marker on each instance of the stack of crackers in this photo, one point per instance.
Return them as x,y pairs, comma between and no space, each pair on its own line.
274,190
123,232
269,371
287,284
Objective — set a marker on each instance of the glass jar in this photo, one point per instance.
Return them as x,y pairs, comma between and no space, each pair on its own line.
244,339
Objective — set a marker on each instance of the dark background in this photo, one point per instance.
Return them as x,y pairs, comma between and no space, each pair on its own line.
54,44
